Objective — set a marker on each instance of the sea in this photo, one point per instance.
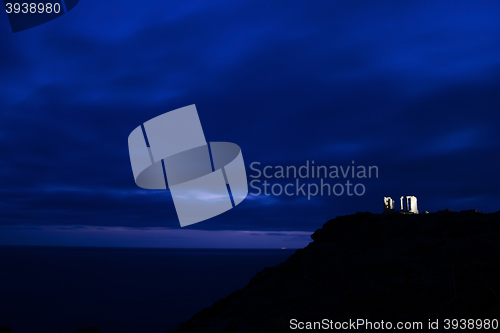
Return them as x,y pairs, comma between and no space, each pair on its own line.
119,290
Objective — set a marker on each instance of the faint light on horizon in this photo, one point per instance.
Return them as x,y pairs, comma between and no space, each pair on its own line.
160,237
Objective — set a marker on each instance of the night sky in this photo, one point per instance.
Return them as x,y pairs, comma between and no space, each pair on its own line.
412,87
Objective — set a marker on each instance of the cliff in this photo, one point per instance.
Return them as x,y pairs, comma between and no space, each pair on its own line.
390,267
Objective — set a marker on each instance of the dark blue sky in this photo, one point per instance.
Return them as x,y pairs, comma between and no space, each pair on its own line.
409,86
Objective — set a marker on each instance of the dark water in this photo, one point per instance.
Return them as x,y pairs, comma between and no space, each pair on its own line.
47,289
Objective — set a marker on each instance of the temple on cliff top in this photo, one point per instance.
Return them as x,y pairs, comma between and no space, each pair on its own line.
408,205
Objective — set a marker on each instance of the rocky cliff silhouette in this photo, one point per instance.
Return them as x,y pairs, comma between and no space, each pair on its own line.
391,267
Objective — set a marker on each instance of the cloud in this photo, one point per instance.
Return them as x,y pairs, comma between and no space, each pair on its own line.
409,87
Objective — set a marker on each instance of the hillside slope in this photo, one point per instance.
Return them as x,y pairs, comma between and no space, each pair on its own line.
390,267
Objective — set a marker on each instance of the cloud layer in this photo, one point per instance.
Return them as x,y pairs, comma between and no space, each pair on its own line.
411,87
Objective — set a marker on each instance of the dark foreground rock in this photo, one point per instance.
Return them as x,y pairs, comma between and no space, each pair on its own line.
374,267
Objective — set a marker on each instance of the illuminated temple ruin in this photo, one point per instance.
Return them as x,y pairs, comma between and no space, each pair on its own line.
408,205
